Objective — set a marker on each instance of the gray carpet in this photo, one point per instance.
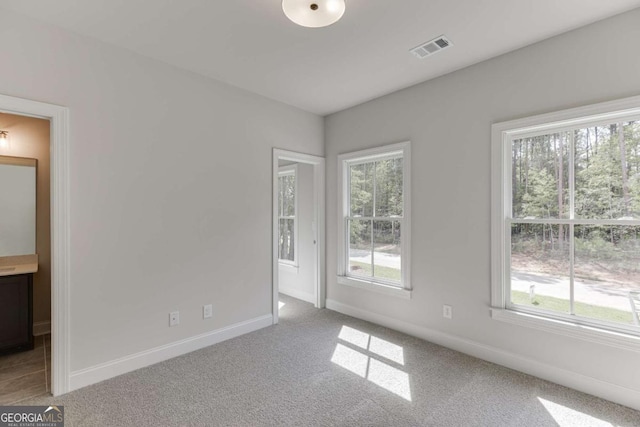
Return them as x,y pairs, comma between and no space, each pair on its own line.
320,368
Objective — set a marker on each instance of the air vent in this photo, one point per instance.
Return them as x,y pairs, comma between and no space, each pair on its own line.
431,47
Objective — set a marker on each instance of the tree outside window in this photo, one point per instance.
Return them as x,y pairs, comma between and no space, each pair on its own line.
574,226
287,215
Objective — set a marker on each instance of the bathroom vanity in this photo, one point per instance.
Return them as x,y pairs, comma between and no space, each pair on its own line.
18,259
16,302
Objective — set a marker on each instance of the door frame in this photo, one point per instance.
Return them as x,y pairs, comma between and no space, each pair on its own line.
58,117
318,164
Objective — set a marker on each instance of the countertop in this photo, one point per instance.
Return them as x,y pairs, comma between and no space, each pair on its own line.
21,264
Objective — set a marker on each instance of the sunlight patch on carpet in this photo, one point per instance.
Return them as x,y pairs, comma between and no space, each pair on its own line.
360,353
566,417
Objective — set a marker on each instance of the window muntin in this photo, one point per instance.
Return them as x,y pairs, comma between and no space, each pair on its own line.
374,216
287,231
571,232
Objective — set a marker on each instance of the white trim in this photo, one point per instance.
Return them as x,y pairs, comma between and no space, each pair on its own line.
296,293
319,227
559,126
41,328
288,265
578,221
103,371
502,134
570,329
288,170
318,219
401,149
60,239
579,116
376,287
382,152
499,211
354,159
586,384
570,322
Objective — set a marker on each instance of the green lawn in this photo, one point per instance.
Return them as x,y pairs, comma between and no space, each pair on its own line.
582,309
381,272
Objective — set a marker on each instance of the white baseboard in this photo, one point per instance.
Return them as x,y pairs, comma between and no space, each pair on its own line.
609,391
41,328
113,368
295,293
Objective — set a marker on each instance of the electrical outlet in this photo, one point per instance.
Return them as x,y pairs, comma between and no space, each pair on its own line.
447,311
174,318
207,311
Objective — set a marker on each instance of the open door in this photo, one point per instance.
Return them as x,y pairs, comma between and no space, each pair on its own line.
298,228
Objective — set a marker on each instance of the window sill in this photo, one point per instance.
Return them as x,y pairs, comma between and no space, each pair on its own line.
375,287
573,330
288,266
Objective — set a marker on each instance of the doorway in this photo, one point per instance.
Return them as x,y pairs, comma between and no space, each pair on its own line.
25,262
58,118
298,228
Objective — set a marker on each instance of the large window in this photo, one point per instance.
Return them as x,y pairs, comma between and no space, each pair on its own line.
566,231
287,211
373,223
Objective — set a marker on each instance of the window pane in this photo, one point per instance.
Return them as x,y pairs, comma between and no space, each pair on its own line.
540,176
540,266
608,171
287,239
360,247
607,268
389,188
361,196
288,195
387,250
280,195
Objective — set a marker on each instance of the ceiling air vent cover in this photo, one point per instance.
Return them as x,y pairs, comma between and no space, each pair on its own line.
431,47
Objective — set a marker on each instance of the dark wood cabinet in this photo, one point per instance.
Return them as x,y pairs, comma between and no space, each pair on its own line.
16,304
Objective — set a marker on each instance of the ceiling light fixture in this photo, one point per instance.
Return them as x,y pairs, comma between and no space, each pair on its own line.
313,13
4,139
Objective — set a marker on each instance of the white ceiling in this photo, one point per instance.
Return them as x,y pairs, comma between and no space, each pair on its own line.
252,45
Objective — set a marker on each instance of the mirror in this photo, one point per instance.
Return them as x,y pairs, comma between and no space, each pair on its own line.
17,206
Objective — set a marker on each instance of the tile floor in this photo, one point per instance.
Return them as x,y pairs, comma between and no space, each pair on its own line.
27,374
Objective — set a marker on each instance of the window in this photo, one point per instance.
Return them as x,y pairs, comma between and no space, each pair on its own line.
287,211
566,222
374,221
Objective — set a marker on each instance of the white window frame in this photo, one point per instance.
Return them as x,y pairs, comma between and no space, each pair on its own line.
621,336
403,150
288,171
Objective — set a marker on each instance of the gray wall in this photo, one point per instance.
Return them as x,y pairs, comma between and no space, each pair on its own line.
448,121
299,282
171,185
170,188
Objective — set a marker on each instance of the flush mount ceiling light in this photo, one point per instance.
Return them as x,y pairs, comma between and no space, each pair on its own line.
313,13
